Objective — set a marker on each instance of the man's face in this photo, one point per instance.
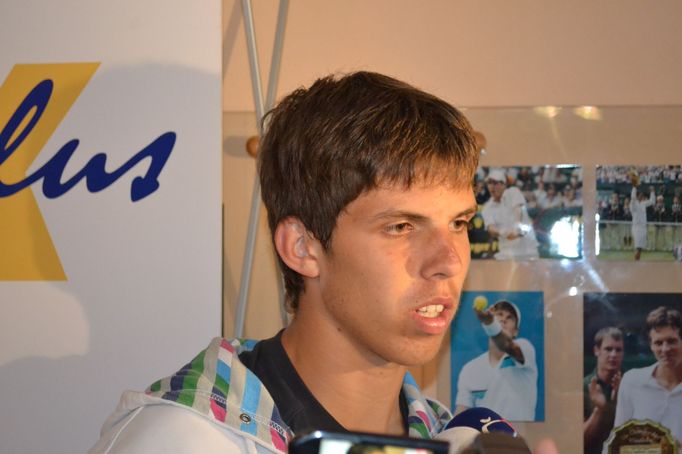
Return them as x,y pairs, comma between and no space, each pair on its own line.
666,346
391,280
496,188
507,320
614,199
609,354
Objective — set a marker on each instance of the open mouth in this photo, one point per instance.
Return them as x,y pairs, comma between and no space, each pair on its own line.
431,311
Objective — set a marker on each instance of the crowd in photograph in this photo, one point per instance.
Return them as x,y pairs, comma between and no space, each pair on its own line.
543,187
647,174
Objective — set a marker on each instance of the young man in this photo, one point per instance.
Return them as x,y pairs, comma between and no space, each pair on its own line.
638,205
505,377
655,392
506,218
600,389
368,186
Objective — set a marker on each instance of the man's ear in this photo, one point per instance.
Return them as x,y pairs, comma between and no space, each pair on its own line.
295,247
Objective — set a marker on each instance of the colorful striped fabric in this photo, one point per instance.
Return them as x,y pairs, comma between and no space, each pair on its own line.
217,385
425,417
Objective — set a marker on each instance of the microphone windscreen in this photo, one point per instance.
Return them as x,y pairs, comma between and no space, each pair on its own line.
462,430
483,420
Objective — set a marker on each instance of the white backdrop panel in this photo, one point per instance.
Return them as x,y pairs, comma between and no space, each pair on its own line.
143,288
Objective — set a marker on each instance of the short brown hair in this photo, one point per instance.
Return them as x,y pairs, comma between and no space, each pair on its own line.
326,145
664,316
608,331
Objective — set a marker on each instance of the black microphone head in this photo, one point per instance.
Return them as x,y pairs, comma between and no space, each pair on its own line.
497,443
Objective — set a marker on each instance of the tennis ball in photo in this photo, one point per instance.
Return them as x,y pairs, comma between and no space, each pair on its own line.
480,303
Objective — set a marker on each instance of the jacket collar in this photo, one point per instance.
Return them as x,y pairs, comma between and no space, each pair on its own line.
218,386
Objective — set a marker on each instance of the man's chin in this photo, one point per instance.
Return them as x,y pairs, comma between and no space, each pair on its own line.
421,352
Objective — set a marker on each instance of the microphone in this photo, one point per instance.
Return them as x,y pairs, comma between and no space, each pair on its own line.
469,432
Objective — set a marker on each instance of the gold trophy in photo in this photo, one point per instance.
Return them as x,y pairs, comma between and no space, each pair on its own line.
640,437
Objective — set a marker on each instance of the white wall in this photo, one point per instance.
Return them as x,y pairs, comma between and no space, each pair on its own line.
142,288
473,53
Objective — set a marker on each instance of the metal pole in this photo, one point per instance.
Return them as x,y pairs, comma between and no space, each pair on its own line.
270,102
253,60
277,53
247,263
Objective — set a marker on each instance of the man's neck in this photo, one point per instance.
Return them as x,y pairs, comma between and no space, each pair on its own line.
494,354
668,377
361,393
605,375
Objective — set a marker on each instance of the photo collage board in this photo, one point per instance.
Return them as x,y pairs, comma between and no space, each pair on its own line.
632,342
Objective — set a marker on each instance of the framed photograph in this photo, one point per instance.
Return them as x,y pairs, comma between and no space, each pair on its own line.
631,343
639,214
485,376
526,213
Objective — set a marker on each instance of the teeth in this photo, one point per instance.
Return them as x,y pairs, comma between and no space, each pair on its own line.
430,311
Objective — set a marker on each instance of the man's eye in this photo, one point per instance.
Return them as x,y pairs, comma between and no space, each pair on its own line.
400,228
460,225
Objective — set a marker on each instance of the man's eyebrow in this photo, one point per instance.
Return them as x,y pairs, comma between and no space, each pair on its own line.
399,214
469,211
412,216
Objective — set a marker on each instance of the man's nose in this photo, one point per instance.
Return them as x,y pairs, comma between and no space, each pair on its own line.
442,261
